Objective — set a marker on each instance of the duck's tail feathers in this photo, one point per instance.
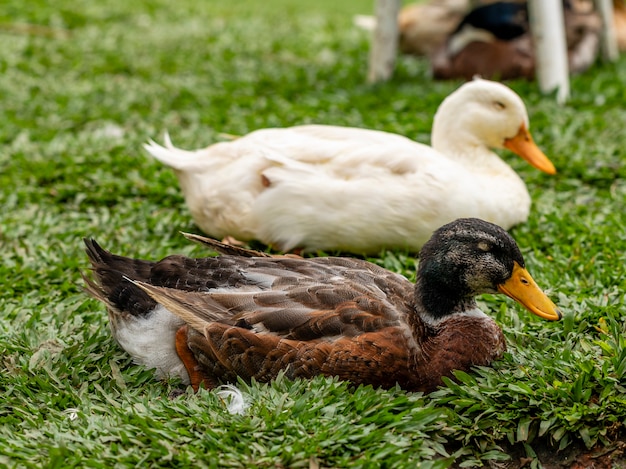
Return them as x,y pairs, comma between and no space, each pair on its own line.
170,155
101,258
108,283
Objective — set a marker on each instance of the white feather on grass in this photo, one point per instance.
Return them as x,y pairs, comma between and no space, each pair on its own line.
233,399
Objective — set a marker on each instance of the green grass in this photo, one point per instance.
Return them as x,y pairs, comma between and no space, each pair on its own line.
84,89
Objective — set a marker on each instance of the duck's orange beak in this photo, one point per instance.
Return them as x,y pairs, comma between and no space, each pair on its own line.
523,145
523,289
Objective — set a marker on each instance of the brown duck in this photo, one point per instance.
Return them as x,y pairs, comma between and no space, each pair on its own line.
251,315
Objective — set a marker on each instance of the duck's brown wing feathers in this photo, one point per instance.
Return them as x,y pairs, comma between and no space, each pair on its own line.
344,331
306,311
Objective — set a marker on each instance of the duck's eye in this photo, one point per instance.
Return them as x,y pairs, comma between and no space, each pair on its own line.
483,246
499,105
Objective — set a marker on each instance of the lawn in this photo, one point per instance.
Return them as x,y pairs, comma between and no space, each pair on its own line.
84,84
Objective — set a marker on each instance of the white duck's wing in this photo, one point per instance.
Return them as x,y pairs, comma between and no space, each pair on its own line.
368,197
339,151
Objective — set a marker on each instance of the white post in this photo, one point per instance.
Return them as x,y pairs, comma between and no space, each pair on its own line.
609,41
548,31
384,41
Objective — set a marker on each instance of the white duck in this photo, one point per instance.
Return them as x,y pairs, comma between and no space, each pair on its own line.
357,190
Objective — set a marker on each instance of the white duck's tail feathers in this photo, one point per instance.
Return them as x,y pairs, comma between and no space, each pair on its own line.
170,155
168,141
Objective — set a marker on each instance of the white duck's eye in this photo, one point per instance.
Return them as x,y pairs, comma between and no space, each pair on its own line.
499,105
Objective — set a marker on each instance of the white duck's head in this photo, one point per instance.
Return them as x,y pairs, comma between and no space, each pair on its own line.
484,114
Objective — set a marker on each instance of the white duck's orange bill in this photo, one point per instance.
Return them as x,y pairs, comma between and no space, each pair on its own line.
523,145
523,289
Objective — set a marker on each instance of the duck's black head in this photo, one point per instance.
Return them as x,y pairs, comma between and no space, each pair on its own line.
468,257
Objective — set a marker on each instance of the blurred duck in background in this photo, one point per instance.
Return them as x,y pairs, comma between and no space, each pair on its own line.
492,39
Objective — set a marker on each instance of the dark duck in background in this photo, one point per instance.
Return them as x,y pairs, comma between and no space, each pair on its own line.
492,39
